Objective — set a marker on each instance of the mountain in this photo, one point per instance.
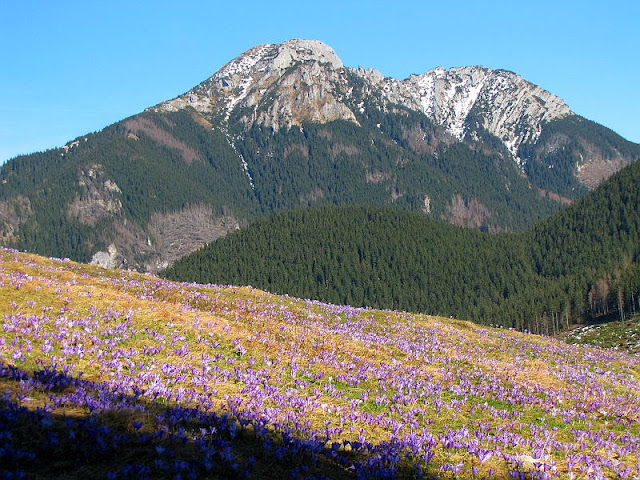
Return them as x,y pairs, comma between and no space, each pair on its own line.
581,264
115,374
320,89
288,125
304,81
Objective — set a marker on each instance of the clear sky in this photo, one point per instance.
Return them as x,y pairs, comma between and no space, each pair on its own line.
72,67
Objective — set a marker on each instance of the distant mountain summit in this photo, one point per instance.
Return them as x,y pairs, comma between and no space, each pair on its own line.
298,81
275,85
465,99
287,84
288,125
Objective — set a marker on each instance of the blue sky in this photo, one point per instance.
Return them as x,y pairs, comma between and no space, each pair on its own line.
71,67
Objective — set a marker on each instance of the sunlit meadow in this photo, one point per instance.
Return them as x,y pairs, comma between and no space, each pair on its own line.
115,374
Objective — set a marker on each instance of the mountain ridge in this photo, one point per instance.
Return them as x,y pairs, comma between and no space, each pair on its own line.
446,96
288,126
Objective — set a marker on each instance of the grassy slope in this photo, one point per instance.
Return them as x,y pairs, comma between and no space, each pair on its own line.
309,389
624,335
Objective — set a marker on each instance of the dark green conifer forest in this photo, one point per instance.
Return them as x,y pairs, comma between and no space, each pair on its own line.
579,265
163,162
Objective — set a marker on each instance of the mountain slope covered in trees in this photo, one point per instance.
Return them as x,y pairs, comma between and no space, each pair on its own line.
118,184
287,126
581,263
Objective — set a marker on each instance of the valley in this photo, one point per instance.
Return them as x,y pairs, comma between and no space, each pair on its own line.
578,266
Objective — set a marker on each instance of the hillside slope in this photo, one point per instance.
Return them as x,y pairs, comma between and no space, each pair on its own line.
287,126
109,373
584,262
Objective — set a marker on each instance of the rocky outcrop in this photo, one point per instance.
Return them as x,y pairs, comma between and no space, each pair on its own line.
308,93
99,197
108,259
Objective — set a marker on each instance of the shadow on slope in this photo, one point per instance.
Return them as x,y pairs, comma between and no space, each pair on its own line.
55,426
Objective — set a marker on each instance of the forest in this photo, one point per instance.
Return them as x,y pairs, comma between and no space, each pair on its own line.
580,265
165,162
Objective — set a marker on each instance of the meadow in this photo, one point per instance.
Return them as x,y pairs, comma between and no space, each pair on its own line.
114,374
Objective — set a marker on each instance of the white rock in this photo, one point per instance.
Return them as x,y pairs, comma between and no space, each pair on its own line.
108,259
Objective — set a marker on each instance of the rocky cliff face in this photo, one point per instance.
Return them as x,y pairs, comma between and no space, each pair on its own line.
501,102
277,85
99,197
280,85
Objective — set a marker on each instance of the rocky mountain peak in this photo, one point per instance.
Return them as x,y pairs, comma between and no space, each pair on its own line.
499,101
295,51
274,60
286,84
246,79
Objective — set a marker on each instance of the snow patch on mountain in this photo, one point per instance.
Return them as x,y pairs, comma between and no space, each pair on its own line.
503,103
281,85
240,70
514,110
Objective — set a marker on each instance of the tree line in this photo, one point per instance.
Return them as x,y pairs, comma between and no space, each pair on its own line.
579,265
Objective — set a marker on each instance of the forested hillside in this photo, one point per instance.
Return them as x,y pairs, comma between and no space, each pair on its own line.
556,161
106,188
288,125
117,185
580,264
